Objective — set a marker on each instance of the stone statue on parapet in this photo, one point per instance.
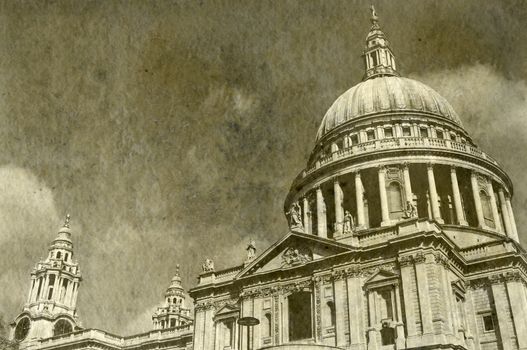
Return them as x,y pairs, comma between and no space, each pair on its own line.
208,265
295,219
349,224
251,252
411,210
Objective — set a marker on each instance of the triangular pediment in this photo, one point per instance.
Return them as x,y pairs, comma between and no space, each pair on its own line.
227,309
294,249
381,276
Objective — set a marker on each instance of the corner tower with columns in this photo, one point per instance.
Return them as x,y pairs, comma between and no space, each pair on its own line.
402,236
174,311
51,306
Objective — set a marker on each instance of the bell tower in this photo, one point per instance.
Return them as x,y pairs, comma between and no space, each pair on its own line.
174,312
51,306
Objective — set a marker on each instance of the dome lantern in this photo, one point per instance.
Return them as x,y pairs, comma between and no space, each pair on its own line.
378,56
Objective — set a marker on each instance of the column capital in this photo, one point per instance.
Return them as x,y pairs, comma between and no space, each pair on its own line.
453,168
381,168
357,173
429,165
335,179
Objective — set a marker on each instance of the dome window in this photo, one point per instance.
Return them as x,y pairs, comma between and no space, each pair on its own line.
407,131
354,139
388,132
59,255
439,134
423,131
370,135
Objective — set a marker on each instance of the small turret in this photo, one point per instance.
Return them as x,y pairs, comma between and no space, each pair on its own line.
378,56
174,312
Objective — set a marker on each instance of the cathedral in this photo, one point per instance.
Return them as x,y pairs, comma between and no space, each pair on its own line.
401,236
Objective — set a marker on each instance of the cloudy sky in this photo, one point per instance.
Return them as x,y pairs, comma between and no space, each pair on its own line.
171,130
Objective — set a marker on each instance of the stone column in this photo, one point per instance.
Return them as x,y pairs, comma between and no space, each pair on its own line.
44,291
511,218
460,215
477,199
384,200
494,206
407,183
359,198
505,213
75,294
434,200
31,290
306,211
56,288
321,214
339,210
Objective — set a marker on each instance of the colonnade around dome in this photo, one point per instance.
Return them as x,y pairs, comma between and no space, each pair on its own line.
382,195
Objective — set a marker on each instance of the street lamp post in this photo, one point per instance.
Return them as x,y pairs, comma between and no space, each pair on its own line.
250,322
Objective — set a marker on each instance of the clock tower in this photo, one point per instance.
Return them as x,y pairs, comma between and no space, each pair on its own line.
51,304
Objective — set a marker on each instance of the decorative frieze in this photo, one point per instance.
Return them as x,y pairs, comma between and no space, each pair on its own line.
204,305
509,276
296,286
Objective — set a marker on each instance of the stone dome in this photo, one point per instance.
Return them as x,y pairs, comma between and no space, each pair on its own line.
386,94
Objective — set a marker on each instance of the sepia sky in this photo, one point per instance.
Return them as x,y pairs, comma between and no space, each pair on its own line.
171,130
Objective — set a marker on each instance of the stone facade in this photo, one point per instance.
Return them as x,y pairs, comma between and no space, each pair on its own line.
402,236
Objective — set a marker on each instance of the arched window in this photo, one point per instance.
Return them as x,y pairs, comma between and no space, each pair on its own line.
487,209
66,257
58,255
62,327
395,200
266,326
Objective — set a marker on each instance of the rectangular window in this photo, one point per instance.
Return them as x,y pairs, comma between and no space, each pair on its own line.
440,134
488,323
370,135
388,132
354,139
406,131
424,132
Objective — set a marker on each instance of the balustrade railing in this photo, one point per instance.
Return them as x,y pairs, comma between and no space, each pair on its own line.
115,339
394,143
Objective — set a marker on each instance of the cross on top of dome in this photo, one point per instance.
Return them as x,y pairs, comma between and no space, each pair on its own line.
378,56
374,17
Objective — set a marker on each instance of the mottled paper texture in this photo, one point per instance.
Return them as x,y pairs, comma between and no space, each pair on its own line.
171,130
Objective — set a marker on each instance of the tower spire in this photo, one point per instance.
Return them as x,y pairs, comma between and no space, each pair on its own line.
378,56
